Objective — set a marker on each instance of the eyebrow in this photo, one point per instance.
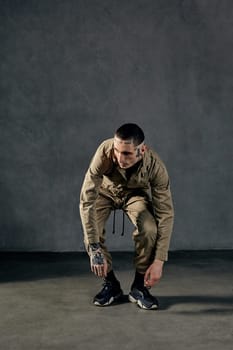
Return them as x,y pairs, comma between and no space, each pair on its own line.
124,152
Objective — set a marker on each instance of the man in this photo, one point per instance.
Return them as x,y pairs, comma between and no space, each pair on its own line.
125,174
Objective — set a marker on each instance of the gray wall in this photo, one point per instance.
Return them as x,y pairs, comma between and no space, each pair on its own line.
72,71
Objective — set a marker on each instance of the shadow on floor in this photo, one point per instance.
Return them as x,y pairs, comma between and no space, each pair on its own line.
219,304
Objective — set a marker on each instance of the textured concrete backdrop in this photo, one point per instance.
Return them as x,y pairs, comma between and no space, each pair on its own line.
72,71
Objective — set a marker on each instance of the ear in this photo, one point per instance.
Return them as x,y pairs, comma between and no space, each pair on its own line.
143,148
140,151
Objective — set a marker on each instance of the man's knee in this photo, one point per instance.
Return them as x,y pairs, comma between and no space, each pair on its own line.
146,226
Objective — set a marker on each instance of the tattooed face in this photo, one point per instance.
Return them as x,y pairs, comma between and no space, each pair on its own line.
126,153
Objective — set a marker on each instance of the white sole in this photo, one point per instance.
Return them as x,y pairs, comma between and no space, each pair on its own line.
139,303
111,300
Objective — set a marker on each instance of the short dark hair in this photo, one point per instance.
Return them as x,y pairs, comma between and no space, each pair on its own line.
130,131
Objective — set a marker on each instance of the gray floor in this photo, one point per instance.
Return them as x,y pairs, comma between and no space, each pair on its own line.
46,303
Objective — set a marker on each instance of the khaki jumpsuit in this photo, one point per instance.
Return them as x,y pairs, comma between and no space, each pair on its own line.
144,196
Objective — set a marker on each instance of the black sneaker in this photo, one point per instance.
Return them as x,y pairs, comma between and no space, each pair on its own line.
143,299
110,293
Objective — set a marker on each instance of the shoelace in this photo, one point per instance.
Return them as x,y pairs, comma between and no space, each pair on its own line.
107,284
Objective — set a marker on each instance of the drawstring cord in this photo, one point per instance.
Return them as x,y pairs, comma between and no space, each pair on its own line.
114,222
123,223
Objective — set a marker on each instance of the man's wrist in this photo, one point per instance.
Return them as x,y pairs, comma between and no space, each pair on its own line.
159,262
94,246
96,254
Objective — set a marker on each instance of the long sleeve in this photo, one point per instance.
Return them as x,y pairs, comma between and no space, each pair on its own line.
88,196
163,210
99,165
